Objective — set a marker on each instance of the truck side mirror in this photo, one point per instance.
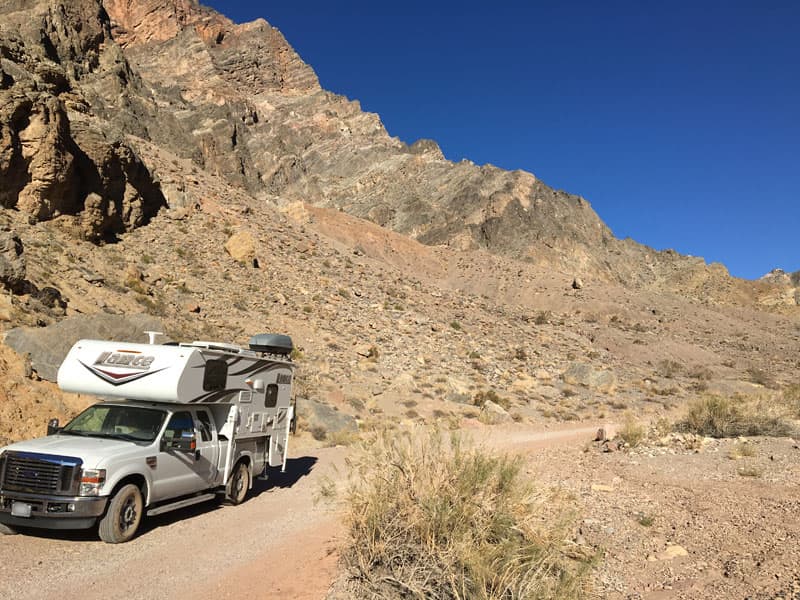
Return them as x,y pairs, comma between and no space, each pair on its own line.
182,444
52,427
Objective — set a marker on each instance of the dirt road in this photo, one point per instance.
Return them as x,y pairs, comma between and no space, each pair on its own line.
260,549
277,544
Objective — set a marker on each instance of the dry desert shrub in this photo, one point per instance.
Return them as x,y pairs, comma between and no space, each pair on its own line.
791,398
742,450
760,377
669,368
632,431
723,417
481,397
429,518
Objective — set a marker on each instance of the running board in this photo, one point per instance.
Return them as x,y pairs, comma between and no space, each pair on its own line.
180,504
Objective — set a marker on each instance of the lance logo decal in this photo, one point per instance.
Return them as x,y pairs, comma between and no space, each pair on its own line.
122,366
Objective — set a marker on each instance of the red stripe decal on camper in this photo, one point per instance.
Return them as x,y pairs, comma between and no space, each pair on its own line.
118,378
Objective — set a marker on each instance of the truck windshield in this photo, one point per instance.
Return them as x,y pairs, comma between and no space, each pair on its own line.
120,422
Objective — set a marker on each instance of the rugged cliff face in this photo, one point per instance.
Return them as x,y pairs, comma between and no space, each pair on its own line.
259,118
89,90
56,157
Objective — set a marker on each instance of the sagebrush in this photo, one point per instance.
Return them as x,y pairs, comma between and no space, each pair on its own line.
430,518
724,417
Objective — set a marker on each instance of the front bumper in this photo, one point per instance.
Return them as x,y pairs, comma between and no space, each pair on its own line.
51,512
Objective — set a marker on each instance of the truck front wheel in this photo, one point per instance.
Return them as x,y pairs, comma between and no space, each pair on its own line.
123,516
239,483
7,530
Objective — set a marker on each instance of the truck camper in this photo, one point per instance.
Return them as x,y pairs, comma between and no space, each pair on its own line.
178,424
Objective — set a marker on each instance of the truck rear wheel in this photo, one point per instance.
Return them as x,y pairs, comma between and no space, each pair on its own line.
123,516
239,484
7,530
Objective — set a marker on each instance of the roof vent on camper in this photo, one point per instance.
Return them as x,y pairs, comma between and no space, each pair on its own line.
272,343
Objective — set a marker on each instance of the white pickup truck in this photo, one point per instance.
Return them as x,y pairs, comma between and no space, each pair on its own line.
180,424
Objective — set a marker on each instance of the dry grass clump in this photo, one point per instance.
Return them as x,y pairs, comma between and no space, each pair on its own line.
669,368
791,398
722,417
431,519
742,450
632,431
481,398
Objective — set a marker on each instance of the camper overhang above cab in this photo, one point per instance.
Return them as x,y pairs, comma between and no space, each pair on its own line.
187,373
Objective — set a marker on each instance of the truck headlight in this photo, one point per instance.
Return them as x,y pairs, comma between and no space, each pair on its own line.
91,482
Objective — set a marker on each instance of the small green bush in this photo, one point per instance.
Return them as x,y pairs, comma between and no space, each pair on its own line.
645,520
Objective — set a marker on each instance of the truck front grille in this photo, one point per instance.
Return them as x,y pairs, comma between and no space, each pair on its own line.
40,473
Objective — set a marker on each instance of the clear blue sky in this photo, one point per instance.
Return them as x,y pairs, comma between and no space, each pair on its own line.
679,121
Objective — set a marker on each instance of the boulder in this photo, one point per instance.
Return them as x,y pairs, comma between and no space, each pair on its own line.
458,391
494,414
12,261
6,308
672,551
48,346
327,418
587,376
241,246
403,384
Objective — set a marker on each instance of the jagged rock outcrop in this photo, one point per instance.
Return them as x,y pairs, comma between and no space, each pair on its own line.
785,288
53,159
12,261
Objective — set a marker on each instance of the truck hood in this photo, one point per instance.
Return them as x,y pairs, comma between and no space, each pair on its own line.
93,451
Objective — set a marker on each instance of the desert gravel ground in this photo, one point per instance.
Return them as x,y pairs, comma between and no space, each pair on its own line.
669,522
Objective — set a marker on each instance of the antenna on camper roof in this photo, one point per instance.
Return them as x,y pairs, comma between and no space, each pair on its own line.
152,335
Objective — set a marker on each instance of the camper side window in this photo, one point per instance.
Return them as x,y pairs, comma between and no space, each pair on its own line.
215,376
271,398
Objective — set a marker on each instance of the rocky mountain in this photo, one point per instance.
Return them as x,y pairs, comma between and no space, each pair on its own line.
157,158
85,86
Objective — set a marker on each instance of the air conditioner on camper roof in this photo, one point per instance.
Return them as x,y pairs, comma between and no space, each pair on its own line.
272,343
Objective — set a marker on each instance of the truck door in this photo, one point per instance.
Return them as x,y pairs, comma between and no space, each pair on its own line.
176,473
207,449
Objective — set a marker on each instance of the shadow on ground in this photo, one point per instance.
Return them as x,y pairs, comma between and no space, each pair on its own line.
296,469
